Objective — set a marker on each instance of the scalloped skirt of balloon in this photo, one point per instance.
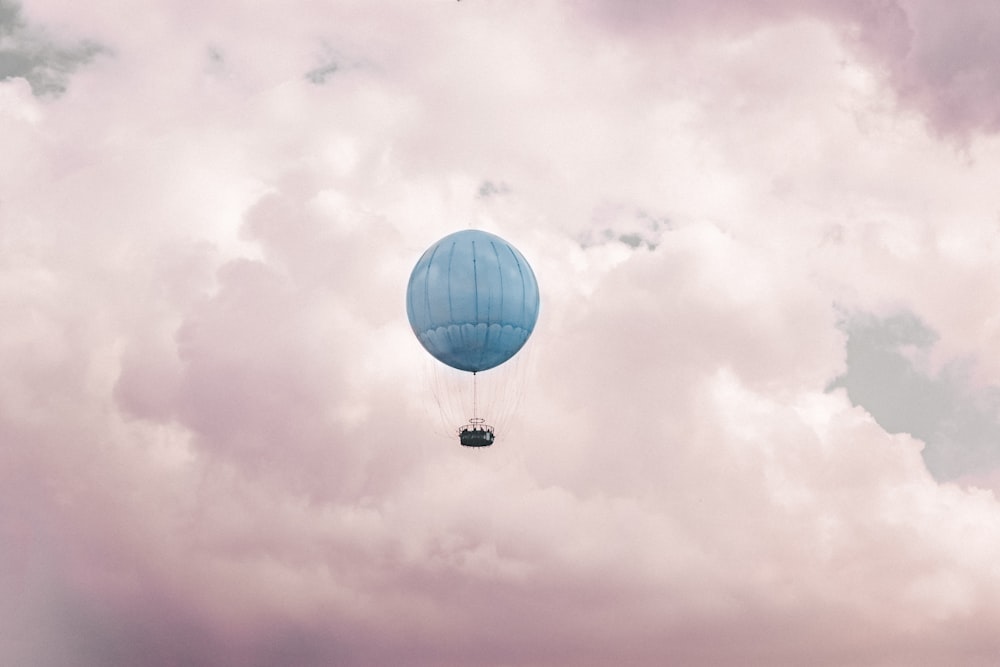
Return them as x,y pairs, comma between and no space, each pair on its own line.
477,433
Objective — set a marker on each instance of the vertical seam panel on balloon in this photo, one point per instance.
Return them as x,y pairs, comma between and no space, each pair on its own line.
499,318
451,256
524,299
496,254
475,300
427,286
475,285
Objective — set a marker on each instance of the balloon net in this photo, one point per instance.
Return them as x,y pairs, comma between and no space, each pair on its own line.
493,396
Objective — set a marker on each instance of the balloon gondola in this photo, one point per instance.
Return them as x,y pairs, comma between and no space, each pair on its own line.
472,302
477,433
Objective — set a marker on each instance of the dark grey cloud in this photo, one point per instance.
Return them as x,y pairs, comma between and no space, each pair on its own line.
328,63
633,227
489,189
27,52
887,374
321,73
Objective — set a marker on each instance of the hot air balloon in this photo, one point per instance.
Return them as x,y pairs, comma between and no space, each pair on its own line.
472,302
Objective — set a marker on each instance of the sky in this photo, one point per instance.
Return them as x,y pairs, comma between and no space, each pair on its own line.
758,422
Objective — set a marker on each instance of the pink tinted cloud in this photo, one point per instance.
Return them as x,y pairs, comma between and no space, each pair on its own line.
940,59
212,416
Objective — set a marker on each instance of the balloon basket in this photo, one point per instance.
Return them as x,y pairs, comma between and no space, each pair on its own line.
477,433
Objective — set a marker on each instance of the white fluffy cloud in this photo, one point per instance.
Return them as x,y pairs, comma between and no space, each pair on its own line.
215,444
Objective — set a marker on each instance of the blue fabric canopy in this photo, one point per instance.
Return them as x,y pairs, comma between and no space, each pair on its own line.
472,300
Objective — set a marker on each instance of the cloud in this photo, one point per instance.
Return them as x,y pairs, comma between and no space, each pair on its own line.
889,374
28,53
937,59
217,437
940,60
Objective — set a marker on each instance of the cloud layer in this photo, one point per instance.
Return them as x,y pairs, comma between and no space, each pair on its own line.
219,440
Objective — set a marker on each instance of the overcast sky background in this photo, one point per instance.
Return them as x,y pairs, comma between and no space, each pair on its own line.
761,410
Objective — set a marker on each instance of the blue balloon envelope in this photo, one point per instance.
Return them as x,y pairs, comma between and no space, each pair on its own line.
472,300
